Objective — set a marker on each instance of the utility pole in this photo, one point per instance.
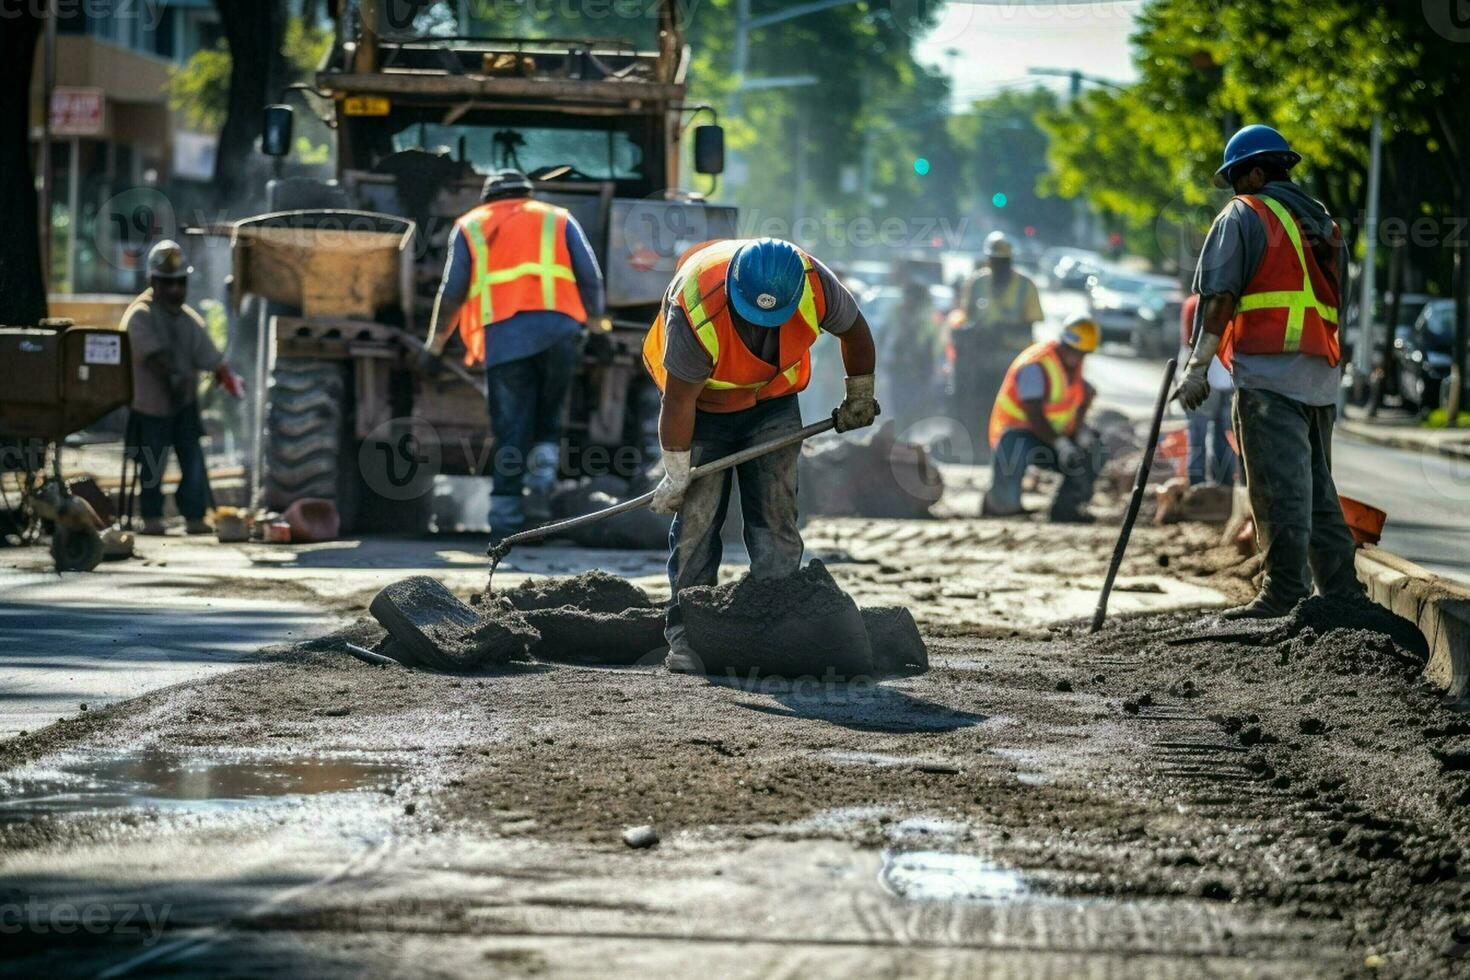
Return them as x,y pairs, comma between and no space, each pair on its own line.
1363,361
48,72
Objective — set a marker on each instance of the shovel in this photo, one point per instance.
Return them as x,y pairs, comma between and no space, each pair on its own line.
497,552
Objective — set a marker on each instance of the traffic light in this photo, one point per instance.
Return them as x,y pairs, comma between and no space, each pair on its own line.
921,166
1030,231
999,199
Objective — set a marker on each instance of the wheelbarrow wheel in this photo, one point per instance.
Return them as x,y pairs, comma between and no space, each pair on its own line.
76,549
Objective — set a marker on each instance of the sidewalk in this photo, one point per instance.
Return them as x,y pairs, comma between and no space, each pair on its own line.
1403,433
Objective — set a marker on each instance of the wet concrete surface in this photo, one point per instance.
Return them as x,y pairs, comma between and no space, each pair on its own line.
1037,804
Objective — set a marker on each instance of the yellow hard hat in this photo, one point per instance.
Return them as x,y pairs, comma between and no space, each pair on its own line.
1081,332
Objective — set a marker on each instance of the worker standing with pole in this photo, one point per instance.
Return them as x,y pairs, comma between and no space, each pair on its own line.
730,351
1269,278
520,282
998,312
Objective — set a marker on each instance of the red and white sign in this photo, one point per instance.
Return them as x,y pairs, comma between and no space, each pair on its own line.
78,111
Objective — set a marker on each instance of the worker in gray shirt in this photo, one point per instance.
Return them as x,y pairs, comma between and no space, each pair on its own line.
169,348
1270,288
730,350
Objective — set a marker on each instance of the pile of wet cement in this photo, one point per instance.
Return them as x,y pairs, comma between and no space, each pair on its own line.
800,626
594,617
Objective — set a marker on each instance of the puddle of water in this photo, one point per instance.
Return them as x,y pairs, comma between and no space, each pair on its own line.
87,782
938,876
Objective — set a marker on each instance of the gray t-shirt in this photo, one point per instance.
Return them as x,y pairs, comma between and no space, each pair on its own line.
1031,383
151,329
686,359
1230,258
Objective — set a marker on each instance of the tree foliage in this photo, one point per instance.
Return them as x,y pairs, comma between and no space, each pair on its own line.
1003,149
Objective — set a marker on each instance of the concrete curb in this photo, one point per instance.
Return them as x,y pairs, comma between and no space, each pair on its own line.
1398,439
1440,608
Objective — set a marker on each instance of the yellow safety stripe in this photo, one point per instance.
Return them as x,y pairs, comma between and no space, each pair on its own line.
1295,302
479,286
709,337
546,267
1060,416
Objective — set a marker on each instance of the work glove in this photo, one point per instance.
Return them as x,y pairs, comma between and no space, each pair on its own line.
859,408
230,381
1195,387
428,364
1069,455
668,496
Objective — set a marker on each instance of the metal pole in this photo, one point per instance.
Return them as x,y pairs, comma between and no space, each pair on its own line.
44,157
741,52
73,206
1364,358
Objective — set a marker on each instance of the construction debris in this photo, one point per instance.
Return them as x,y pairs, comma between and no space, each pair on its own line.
868,475
800,626
591,618
895,641
430,628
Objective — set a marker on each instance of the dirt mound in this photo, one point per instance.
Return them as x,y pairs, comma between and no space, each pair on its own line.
594,592
871,475
573,635
894,638
1358,615
800,626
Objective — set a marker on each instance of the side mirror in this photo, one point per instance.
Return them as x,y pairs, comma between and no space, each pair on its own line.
275,136
709,150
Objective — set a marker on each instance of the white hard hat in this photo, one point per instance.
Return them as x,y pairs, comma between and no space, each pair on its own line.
166,261
998,246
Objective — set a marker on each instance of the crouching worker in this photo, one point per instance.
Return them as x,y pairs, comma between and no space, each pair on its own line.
730,350
1038,420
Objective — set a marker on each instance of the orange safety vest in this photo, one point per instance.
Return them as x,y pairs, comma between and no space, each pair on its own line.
520,262
1064,396
1291,305
740,379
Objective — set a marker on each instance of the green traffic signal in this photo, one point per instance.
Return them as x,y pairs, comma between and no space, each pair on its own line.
921,166
1000,200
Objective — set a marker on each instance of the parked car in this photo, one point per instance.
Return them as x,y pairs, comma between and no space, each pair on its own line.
1073,270
1137,309
1424,353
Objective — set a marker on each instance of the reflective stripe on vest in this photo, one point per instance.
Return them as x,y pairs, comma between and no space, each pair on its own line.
1064,396
703,323
1296,301
546,267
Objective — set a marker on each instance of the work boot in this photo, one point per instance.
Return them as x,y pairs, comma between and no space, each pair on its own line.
1261,607
154,527
682,659
1071,515
507,516
989,508
198,526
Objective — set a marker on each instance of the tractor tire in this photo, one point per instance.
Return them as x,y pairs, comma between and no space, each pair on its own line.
76,549
304,427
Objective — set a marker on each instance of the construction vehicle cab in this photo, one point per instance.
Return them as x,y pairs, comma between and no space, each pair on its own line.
420,117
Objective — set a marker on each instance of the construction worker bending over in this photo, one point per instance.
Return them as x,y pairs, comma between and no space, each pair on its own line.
1269,282
730,350
520,282
1038,420
998,311
169,348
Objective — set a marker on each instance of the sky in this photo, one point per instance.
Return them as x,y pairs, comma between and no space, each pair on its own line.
988,45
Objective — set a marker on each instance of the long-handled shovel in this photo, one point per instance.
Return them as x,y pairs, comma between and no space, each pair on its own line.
1140,483
498,551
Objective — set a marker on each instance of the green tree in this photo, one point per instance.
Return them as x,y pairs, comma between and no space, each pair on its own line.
1004,150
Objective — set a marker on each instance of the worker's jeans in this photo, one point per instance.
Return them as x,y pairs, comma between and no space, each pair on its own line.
1286,447
1019,449
150,437
767,501
1208,426
527,401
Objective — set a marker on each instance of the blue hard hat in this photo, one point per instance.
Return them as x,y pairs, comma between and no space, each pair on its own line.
765,281
1255,141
